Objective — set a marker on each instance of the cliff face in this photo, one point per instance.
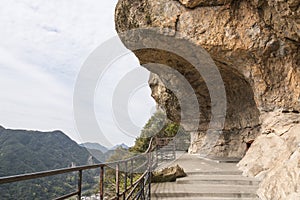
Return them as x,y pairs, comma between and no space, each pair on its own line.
255,45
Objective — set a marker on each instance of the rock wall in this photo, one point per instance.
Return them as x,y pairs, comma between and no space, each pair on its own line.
255,45
275,157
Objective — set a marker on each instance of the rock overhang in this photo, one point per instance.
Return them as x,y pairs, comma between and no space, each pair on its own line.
249,55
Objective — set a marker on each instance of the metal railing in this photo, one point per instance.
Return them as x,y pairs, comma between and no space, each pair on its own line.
165,149
139,189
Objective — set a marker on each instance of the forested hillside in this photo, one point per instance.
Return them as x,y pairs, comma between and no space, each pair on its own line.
33,151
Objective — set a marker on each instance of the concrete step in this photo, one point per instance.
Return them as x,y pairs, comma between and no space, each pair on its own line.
218,179
202,198
221,182
222,160
206,196
207,180
214,173
192,190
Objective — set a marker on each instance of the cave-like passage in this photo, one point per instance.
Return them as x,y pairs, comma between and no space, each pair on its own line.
158,53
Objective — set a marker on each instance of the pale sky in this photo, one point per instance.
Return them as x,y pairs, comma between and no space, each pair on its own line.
43,44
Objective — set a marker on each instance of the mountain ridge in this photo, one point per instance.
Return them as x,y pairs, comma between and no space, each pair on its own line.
23,151
94,145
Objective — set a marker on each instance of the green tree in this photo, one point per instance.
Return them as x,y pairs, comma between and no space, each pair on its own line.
158,125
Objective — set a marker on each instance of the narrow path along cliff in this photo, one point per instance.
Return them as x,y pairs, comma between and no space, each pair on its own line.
207,179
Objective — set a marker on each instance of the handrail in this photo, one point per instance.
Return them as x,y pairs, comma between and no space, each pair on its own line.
150,146
143,180
136,184
29,176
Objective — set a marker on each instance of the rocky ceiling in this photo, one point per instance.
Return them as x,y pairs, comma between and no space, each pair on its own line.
255,46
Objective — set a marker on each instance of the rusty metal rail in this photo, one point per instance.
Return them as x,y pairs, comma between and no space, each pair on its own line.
139,189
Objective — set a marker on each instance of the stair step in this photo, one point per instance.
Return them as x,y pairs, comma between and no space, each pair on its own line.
207,180
205,190
203,198
219,177
223,160
221,182
195,196
215,173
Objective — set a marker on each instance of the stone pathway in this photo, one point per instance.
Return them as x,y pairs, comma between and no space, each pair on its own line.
206,180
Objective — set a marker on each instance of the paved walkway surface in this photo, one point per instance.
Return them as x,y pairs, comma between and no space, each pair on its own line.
207,180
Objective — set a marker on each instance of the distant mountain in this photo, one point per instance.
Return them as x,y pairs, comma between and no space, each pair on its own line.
98,154
24,151
101,152
96,146
124,146
30,151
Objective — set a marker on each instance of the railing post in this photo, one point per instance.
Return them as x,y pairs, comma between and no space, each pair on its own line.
142,189
79,184
149,174
117,180
174,149
131,171
129,168
156,151
125,179
101,185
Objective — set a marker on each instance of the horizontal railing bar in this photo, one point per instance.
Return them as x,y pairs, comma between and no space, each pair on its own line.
29,176
67,196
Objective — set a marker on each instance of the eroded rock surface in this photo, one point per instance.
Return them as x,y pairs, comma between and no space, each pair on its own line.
168,174
256,47
275,157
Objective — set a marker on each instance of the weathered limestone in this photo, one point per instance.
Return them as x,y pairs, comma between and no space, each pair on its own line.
168,174
257,57
275,157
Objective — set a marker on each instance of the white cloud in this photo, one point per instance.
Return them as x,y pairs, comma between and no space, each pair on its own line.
31,98
42,46
57,35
